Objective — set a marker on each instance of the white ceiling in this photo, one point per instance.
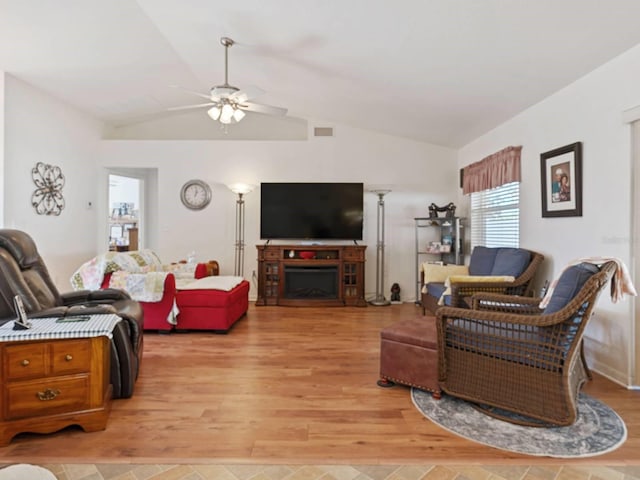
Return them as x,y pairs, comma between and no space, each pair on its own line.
439,71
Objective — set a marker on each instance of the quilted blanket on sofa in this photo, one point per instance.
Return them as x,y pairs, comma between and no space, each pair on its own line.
143,287
140,273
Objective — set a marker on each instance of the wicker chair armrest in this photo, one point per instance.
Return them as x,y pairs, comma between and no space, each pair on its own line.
480,286
462,290
515,282
471,288
506,303
448,314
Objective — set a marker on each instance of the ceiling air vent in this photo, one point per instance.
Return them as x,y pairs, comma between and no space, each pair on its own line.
322,131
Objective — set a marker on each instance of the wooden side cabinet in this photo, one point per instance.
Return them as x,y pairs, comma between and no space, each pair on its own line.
47,385
317,275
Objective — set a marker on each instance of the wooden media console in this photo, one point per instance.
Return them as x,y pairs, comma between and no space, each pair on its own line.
316,275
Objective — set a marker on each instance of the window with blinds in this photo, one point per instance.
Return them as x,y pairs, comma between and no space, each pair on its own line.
495,217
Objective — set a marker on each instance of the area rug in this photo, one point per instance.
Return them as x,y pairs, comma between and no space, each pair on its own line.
597,430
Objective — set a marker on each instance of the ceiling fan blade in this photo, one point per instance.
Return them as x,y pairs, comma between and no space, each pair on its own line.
248,93
188,107
203,95
261,108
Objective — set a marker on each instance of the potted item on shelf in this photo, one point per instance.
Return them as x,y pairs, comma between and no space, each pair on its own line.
434,247
447,240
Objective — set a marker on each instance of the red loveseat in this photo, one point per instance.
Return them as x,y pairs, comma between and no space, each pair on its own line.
160,315
141,274
185,296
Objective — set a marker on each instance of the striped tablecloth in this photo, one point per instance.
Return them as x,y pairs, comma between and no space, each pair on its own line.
50,328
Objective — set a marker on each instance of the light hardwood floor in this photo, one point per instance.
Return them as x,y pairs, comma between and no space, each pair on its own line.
287,386
342,472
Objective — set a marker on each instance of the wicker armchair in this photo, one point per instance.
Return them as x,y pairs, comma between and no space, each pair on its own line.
461,292
509,356
520,286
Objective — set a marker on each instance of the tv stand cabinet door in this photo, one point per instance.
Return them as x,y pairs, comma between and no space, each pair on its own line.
269,271
353,258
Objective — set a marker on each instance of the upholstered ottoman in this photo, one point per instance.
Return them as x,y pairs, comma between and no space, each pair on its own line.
409,354
211,309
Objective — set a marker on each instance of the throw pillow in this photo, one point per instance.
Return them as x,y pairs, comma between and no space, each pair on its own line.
511,261
482,260
434,273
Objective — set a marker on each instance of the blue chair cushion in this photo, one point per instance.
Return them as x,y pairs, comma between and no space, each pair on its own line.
569,284
511,261
482,260
435,289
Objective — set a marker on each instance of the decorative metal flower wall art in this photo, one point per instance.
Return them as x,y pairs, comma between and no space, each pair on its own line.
47,199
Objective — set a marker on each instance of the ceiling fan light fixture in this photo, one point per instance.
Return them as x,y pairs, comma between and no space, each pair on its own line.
238,115
228,103
227,113
214,112
222,91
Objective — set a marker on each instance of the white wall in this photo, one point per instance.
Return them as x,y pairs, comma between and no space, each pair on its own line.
2,147
589,111
196,125
39,128
417,173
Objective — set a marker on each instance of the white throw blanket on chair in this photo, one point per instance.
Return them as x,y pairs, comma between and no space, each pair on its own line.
621,283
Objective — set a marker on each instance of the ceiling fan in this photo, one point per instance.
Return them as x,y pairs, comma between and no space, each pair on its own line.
228,103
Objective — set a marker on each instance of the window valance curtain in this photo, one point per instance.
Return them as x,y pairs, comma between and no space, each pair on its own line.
493,171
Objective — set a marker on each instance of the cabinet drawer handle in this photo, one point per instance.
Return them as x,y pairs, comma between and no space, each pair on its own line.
25,363
68,358
48,394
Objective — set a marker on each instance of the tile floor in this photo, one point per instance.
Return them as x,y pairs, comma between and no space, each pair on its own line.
340,472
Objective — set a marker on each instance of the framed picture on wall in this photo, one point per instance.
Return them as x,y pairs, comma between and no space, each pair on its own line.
561,181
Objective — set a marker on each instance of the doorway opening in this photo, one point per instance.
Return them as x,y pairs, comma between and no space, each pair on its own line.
125,202
634,363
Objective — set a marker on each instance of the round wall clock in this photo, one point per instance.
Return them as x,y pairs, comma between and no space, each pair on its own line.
195,194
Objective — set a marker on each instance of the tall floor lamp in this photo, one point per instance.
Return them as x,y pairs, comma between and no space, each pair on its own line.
240,189
380,301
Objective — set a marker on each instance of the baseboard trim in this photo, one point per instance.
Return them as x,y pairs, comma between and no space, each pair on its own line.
612,374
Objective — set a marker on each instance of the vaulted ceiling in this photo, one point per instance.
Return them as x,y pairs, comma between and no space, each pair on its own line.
439,71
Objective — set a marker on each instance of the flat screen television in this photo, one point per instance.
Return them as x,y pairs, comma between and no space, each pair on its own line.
311,211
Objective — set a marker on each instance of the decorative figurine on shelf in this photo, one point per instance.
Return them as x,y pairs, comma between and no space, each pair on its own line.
450,210
395,292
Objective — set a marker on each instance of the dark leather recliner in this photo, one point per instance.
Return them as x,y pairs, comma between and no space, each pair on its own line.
22,272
